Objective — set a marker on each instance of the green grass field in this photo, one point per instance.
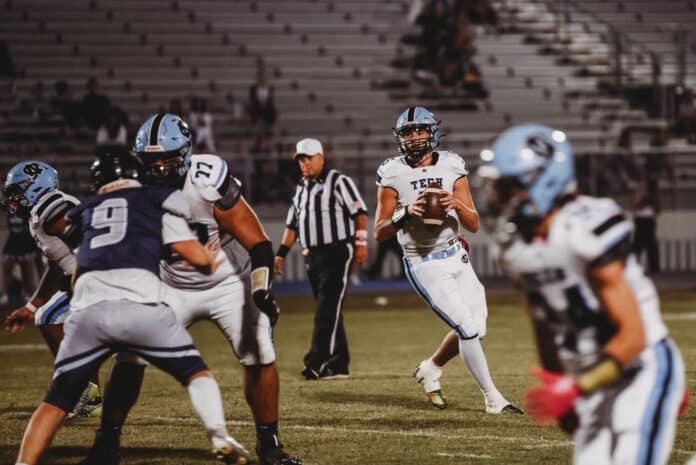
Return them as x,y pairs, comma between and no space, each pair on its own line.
378,416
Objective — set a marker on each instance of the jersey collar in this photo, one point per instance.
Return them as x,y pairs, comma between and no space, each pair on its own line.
118,184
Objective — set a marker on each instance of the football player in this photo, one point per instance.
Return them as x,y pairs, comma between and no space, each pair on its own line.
608,367
237,297
117,301
31,190
436,261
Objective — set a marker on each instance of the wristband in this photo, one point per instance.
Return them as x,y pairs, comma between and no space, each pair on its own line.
31,307
282,251
400,216
361,235
606,371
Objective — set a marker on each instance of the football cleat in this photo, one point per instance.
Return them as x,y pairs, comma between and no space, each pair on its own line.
105,451
501,405
228,450
89,405
437,399
277,456
428,374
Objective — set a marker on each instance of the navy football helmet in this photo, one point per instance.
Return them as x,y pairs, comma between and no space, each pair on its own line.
111,167
412,120
164,146
26,183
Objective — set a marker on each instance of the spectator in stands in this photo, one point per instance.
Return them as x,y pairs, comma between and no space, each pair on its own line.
94,106
261,106
479,12
201,122
112,135
7,70
175,107
647,207
37,105
63,105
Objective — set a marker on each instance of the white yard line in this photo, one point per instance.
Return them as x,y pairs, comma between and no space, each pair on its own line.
679,316
22,347
466,456
529,442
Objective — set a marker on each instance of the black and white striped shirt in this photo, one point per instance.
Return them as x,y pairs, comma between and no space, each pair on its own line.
323,210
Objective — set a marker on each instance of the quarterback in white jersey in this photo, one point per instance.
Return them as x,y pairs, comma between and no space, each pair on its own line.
435,259
609,370
237,297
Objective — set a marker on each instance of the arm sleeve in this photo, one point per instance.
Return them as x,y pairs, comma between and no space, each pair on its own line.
351,197
230,192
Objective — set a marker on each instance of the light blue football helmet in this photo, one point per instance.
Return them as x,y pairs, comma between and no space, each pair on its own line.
164,146
417,118
533,157
26,183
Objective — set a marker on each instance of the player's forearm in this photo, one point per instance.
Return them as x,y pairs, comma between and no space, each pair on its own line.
468,217
384,229
193,252
629,339
286,243
619,302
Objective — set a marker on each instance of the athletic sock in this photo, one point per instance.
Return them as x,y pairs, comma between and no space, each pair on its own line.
267,436
206,400
471,352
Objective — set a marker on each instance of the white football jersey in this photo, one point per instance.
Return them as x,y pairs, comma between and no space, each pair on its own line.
207,181
586,232
51,206
415,237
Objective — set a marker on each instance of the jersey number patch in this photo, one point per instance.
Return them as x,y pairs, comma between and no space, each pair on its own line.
112,215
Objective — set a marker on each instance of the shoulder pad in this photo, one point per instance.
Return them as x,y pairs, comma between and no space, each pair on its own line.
454,162
387,171
52,207
208,174
594,226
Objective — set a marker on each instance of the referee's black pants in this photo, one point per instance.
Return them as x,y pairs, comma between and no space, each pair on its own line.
328,268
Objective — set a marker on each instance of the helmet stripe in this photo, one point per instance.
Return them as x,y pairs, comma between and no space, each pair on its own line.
411,114
154,129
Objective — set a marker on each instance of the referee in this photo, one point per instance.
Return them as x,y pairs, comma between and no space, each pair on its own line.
330,219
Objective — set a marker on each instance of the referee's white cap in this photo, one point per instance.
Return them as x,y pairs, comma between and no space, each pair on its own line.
309,147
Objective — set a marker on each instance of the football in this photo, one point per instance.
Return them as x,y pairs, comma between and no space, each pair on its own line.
434,213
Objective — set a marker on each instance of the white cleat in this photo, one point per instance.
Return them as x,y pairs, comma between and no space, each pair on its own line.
428,374
498,404
228,450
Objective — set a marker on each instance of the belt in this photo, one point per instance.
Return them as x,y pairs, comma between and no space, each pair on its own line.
441,254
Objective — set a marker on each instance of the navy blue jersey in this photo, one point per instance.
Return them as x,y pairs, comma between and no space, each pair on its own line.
121,229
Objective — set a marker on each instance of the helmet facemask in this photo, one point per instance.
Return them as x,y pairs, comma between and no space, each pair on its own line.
416,148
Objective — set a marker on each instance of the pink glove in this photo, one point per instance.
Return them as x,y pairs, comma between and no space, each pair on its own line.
551,400
684,405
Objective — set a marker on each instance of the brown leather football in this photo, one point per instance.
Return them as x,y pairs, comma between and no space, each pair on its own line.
434,213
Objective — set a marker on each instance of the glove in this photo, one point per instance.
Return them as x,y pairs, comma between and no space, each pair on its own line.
684,405
548,402
569,422
265,301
